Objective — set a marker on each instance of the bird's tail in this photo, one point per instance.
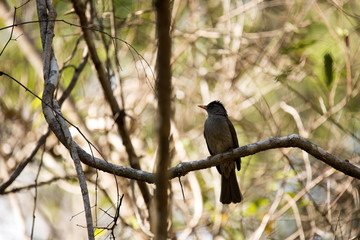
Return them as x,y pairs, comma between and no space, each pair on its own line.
230,191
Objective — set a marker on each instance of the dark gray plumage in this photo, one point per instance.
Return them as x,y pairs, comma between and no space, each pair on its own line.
220,136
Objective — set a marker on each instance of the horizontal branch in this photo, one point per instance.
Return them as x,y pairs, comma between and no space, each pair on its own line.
292,140
182,169
117,170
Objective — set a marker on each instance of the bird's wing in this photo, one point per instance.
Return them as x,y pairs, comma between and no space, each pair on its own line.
211,153
233,133
235,140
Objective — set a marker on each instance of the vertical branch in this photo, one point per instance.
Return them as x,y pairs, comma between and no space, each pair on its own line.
51,109
80,173
164,109
36,192
117,62
119,115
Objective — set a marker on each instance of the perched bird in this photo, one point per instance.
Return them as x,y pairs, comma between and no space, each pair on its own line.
220,137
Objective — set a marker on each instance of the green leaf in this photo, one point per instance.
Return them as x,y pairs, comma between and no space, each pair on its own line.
328,68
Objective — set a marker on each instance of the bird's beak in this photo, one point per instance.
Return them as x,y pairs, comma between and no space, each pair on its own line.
202,106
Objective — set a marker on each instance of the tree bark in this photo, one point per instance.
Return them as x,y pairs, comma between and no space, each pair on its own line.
164,110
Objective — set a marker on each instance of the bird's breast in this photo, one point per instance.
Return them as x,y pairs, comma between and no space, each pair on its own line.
218,135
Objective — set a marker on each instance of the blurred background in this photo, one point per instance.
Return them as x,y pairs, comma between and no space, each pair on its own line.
279,67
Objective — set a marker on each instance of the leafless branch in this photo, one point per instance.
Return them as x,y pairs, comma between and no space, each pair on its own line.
39,184
36,193
53,115
293,141
119,115
23,164
43,138
164,112
11,33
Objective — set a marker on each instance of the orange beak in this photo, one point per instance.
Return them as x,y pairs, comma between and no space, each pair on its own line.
202,106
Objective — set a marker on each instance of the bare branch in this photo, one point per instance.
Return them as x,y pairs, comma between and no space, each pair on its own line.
42,139
81,176
163,88
182,169
11,33
292,140
23,164
53,115
39,184
119,115
36,192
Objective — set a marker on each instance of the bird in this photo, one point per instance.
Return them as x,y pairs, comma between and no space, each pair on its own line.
220,137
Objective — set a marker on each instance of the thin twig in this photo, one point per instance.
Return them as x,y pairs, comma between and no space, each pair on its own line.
36,192
39,184
60,102
23,164
109,96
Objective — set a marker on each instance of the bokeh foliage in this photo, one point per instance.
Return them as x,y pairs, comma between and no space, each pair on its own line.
279,67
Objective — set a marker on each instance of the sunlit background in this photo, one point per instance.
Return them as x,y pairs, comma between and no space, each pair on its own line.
279,67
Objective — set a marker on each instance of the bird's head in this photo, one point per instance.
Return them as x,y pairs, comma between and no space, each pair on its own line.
214,108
